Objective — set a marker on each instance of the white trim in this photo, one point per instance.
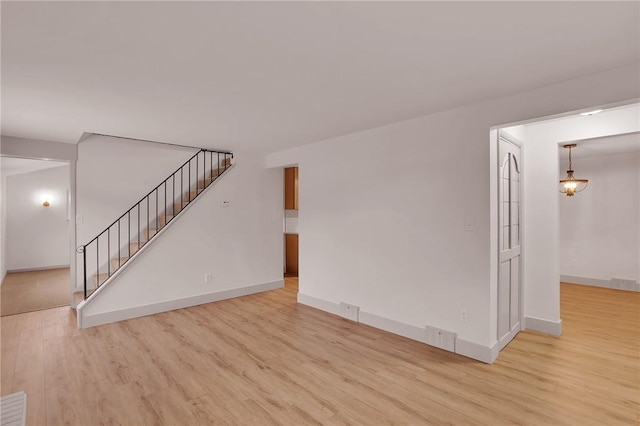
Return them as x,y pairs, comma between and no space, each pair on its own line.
544,326
85,321
40,268
478,352
405,330
323,305
595,282
504,341
585,281
462,347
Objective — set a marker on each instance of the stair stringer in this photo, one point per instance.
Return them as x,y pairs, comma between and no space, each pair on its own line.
110,302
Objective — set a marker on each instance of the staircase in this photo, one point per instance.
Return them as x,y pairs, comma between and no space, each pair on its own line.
107,253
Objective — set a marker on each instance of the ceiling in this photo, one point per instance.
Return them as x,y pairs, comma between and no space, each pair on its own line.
271,75
14,166
618,144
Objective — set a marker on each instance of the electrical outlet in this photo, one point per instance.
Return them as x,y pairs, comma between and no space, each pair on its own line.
226,203
79,219
208,278
573,263
464,315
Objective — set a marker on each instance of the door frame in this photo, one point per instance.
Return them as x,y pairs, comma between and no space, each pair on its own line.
501,134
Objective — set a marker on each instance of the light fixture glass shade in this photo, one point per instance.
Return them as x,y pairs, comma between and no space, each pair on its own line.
570,185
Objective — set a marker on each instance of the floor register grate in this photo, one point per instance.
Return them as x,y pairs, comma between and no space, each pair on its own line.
13,409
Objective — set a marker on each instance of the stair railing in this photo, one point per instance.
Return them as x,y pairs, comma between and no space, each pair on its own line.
158,207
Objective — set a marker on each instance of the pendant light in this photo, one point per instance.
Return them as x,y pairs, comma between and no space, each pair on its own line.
570,185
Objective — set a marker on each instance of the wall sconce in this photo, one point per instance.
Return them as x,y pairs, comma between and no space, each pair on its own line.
46,199
570,185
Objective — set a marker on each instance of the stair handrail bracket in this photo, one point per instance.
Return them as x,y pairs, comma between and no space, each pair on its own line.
112,248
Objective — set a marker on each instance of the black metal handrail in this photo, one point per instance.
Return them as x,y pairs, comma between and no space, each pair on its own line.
161,198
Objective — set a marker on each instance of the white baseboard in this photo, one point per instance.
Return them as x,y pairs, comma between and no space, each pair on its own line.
406,330
321,304
39,268
595,282
478,352
543,326
462,347
86,321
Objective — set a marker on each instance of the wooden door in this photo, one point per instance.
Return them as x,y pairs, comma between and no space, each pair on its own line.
291,188
291,255
509,217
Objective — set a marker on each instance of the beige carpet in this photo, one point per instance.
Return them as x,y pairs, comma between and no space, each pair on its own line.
34,290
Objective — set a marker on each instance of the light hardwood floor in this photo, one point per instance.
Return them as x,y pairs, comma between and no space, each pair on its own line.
34,290
263,359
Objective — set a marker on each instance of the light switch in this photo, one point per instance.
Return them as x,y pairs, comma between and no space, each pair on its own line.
226,203
79,219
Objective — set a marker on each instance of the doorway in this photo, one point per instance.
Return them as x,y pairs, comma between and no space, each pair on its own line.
291,221
599,238
542,263
35,235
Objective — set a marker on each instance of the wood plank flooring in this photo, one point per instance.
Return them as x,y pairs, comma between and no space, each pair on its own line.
265,360
34,290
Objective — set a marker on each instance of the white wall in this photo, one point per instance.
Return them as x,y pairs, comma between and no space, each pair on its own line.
37,236
240,245
599,227
113,174
383,212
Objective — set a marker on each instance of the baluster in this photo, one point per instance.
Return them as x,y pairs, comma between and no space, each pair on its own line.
97,261
84,267
108,252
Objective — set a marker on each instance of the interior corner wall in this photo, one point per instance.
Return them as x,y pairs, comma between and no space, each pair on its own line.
37,236
385,214
599,227
239,243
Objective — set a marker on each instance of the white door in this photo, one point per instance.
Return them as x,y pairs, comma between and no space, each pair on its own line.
509,214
